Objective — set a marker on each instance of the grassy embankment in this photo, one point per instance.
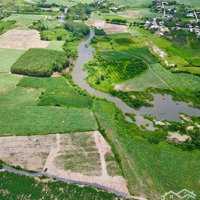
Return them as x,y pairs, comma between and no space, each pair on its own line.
123,46
149,163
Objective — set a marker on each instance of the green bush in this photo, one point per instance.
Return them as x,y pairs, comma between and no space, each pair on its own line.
78,29
40,62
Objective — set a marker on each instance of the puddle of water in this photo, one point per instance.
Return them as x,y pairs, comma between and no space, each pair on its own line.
166,108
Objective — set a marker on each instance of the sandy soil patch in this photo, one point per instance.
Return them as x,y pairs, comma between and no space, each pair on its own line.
108,28
22,39
29,152
178,138
132,14
79,156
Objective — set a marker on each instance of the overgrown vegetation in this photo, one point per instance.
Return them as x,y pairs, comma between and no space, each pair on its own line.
78,29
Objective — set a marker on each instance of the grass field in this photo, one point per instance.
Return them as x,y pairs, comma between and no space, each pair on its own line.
143,82
6,26
138,3
40,62
110,68
56,45
23,19
14,186
53,34
68,2
44,120
146,175
8,57
8,82
58,92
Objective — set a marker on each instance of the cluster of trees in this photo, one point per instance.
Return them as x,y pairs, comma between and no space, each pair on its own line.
117,21
99,32
79,12
184,37
40,62
78,29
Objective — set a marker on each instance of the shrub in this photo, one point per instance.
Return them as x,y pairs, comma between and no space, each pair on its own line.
99,32
40,62
78,29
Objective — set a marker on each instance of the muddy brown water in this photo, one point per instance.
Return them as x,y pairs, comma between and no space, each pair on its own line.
164,106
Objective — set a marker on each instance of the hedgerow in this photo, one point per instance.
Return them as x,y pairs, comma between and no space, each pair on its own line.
40,62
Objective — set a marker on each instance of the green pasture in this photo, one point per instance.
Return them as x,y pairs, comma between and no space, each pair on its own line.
56,45
8,82
55,33
29,120
57,92
24,19
6,26
8,57
14,186
139,3
146,80
68,3
146,175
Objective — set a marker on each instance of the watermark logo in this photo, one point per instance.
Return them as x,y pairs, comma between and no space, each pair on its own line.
183,194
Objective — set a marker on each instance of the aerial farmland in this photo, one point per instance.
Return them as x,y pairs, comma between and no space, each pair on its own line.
99,99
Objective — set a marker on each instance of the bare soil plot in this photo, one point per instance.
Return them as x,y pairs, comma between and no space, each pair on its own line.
84,157
108,28
132,14
22,39
27,152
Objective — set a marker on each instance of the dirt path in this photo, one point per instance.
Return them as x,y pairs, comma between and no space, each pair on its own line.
103,148
116,183
52,155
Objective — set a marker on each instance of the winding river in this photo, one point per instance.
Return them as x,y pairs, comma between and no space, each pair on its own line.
164,106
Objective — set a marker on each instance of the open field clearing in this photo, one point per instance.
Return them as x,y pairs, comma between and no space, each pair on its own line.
56,45
44,120
14,186
24,20
8,82
138,3
140,13
108,28
22,39
58,92
6,26
140,83
68,2
161,77
21,96
8,57
103,74
79,156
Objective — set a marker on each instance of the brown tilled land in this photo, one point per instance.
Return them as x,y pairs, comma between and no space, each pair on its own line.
83,157
108,28
22,39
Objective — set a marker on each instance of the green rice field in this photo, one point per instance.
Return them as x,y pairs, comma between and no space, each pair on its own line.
14,186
